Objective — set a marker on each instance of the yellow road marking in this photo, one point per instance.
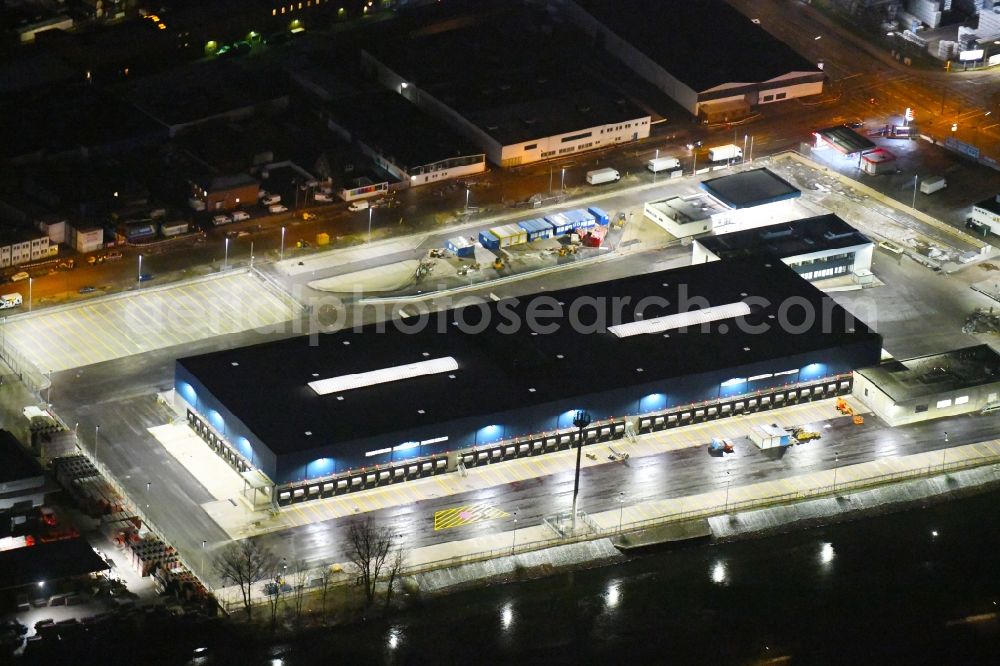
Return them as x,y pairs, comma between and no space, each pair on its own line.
466,515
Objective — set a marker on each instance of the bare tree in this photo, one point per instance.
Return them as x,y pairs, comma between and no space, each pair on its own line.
275,590
244,563
395,567
326,578
369,546
300,578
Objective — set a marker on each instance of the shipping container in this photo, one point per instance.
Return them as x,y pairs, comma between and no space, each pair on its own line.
599,215
561,224
581,219
461,247
489,241
537,228
509,234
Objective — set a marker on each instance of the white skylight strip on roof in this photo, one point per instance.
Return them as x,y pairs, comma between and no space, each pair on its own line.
383,376
681,320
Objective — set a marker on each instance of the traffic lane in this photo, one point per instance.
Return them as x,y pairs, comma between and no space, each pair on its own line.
672,474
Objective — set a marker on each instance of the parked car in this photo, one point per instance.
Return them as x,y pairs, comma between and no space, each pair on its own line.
145,277
276,208
21,275
87,289
240,216
222,219
271,199
322,196
358,205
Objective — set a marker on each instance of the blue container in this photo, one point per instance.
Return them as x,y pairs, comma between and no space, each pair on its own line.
461,246
599,214
537,228
489,241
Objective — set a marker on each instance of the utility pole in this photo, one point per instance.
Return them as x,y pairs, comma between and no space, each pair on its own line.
581,420
97,434
913,204
282,251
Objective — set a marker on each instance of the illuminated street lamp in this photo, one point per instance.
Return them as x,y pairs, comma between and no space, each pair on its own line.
581,420
370,210
282,243
513,543
562,180
30,280
225,260
836,468
138,277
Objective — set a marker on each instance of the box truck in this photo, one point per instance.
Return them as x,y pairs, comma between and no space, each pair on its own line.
932,185
600,176
728,152
663,164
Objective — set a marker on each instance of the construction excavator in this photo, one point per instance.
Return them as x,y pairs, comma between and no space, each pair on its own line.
847,410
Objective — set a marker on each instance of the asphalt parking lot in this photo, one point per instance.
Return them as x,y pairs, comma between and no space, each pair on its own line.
141,321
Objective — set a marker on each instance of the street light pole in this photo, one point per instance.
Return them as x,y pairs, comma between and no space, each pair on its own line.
562,180
466,199
914,203
282,251
97,434
836,468
251,254
225,261
203,543
513,543
729,481
30,280
370,210
581,420
621,510
138,277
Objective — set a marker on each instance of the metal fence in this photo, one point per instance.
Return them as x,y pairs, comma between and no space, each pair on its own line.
707,512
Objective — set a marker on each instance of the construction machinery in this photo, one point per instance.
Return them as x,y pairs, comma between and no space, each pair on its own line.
720,446
847,410
498,264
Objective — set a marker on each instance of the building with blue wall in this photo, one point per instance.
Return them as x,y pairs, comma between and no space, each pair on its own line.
308,407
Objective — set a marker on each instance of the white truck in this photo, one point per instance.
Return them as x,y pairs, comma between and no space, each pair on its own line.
932,185
729,151
601,176
10,301
663,164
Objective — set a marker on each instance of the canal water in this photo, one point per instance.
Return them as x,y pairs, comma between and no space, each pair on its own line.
919,587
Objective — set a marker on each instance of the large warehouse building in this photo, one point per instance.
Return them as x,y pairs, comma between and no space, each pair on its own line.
510,85
704,54
698,338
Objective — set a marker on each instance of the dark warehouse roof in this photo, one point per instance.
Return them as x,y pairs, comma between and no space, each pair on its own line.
750,188
48,562
266,385
812,234
703,43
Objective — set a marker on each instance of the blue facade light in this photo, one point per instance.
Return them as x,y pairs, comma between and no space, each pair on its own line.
490,433
733,386
565,420
243,446
652,402
187,392
812,371
320,467
215,418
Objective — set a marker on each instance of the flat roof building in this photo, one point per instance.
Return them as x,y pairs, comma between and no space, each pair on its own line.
503,79
403,139
987,212
706,55
457,379
844,139
815,247
930,387
685,216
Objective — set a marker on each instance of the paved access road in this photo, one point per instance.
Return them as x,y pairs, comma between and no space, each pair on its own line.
674,474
